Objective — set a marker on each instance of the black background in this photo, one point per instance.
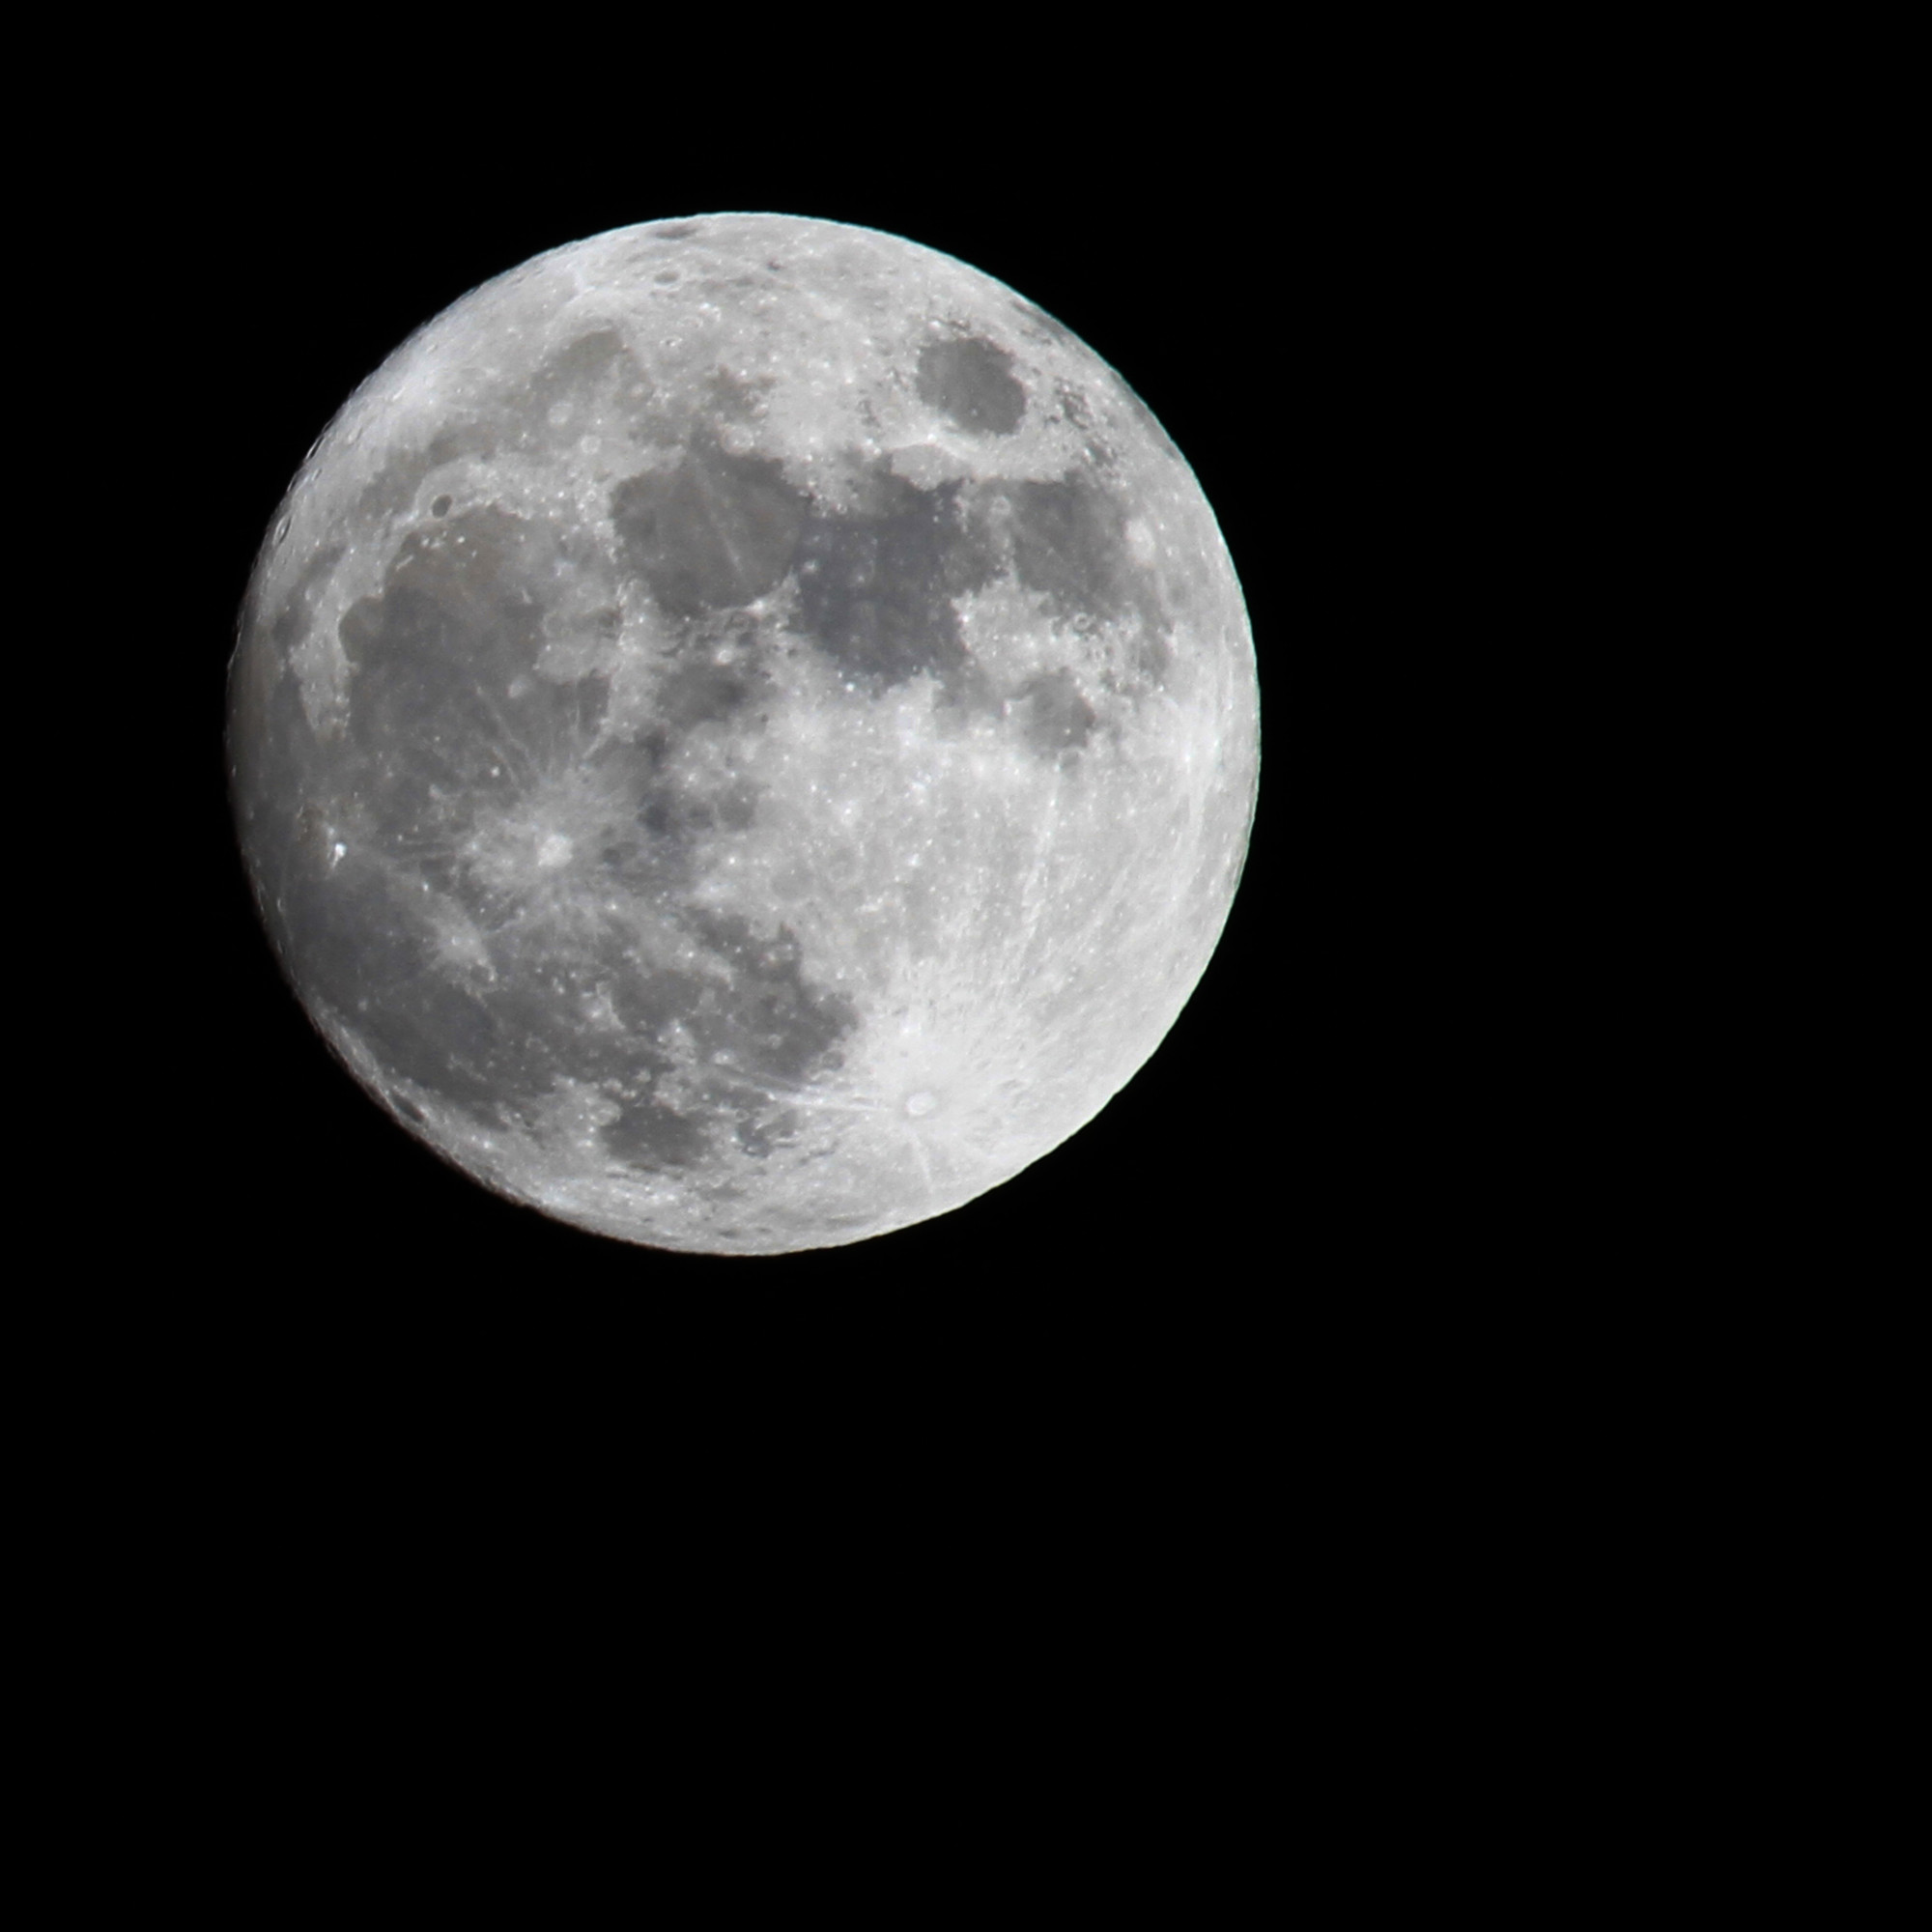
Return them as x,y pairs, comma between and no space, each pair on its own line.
1311,1413
293,290
1242,1399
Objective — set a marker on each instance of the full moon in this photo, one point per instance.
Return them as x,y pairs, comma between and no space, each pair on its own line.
743,733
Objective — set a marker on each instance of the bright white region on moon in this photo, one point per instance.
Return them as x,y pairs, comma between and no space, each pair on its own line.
743,733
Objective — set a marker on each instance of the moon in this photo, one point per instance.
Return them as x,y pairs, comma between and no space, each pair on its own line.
743,733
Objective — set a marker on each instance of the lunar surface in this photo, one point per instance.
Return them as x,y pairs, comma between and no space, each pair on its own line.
743,733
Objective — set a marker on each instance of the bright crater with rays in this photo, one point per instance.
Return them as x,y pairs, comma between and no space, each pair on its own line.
743,733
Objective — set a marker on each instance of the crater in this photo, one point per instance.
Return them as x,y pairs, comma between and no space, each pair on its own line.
1056,718
972,384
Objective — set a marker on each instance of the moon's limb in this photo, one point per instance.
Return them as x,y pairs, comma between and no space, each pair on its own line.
743,733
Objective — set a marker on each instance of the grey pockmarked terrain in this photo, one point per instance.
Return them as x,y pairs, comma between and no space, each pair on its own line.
743,733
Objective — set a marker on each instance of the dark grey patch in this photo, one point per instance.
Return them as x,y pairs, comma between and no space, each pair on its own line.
581,362
1069,544
441,508
716,531
583,703
652,1135
495,1049
353,942
876,584
447,711
1153,649
670,813
678,231
972,383
731,398
658,429
668,819
393,488
665,277
1056,718
649,1002
490,1046
442,695
408,1110
580,376
700,692
447,715
459,439
756,1022
640,758
296,611
771,1021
